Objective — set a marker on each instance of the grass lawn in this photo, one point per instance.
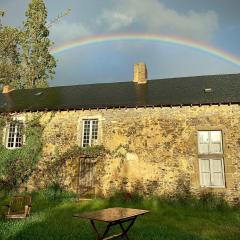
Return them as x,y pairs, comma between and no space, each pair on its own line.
51,219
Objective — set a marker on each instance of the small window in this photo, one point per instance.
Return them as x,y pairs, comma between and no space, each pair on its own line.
14,137
211,164
210,142
90,132
212,173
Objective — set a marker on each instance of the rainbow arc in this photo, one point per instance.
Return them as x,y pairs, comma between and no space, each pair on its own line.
197,45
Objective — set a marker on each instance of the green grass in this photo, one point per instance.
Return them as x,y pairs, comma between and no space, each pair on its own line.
51,219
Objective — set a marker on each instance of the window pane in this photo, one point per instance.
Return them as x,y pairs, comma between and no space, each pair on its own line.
216,136
90,132
206,181
205,165
203,142
210,142
215,148
203,148
216,142
11,133
203,137
94,132
211,172
86,133
217,172
205,174
217,165
217,179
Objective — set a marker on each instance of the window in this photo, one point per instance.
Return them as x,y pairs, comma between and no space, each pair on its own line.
210,150
209,142
90,132
211,173
14,135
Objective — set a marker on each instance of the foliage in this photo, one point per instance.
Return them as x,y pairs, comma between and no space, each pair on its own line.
74,153
52,219
51,194
9,56
16,165
212,200
25,60
37,62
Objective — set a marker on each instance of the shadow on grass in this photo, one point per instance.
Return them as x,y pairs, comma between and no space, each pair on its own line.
167,220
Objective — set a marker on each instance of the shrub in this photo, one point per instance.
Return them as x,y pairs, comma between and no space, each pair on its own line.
16,165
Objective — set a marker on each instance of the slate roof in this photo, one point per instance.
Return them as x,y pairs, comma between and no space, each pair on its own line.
161,92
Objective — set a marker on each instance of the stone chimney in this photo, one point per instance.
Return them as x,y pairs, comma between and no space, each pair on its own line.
7,89
140,73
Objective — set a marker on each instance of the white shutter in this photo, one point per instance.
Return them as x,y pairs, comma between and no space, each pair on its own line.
215,142
205,174
203,142
215,148
217,173
211,169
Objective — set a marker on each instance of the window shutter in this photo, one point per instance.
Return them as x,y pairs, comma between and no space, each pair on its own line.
216,142
203,142
217,175
215,148
205,172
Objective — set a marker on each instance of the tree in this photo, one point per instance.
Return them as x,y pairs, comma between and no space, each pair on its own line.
9,55
38,65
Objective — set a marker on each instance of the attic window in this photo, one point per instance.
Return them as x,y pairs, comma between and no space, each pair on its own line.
208,90
38,94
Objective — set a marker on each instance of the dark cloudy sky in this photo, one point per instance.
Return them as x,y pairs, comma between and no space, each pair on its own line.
215,22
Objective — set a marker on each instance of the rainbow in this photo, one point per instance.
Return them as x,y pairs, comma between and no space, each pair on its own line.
197,45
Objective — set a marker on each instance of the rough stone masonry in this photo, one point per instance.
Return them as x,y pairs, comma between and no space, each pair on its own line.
151,150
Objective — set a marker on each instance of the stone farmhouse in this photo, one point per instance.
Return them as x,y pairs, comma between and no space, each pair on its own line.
163,136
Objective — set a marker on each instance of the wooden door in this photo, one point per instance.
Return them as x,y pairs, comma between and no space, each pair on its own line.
86,177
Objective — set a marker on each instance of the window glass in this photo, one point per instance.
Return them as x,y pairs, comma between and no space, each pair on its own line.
205,165
90,132
212,172
209,142
203,137
216,136
217,172
216,148
211,169
15,135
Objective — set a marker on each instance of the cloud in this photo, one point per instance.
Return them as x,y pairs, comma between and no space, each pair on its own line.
115,20
152,16
68,31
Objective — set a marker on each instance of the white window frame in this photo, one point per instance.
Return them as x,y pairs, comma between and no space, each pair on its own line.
21,121
210,142
211,171
90,131
211,156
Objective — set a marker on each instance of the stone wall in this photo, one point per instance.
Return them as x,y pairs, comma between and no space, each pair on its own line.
151,150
